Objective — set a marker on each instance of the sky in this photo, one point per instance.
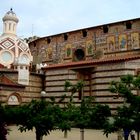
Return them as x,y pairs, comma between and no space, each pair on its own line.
49,17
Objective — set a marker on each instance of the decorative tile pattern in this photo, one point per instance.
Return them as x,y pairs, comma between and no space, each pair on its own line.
7,43
22,46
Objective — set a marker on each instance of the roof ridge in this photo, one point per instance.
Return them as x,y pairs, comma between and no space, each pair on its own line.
94,61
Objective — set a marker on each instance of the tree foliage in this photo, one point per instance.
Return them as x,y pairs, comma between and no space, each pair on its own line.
100,115
41,115
128,115
3,128
87,113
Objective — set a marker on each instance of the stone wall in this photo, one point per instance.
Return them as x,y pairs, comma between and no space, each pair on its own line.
25,93
100,42
118,39
98,87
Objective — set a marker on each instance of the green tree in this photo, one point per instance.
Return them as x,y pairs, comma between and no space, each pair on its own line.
73,88
84,112
66,115
87,114
41,115
67,119
99,116
80,120
3,128
127,116
69,110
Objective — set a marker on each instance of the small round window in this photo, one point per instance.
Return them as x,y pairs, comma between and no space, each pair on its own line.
79,54
6,56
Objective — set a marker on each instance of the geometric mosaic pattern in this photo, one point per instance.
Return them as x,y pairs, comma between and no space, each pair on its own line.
7,43
14,45
22,46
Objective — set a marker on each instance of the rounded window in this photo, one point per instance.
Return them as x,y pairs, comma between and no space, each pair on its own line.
24,59
6,57
79,54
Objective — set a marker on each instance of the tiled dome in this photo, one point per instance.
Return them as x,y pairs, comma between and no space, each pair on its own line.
13,50
10,15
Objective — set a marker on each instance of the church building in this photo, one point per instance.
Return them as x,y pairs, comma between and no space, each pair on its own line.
17,83
97,55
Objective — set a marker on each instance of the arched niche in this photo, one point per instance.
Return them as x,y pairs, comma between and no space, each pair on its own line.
14,99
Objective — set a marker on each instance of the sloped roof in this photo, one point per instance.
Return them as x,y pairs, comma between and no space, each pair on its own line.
5,81
93,62
87,28
1,66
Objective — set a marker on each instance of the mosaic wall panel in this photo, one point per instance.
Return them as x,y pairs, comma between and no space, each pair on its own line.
68,51
111,43
123,42
117,39
135,40
89,47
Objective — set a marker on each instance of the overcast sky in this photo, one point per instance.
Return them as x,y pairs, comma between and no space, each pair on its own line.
49,17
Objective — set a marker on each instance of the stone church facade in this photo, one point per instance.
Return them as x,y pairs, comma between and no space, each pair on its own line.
96,55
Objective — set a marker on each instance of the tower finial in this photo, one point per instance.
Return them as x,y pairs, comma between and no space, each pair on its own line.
11,9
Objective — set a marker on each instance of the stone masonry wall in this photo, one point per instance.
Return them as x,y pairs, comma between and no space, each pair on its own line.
118,39
101,76
27,93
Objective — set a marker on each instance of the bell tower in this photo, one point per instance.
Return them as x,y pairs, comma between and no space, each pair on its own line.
10,23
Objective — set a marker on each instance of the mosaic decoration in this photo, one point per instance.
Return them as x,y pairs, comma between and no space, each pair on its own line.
49,53
101,40
123,42
111,43
135,40
89,47
7,43
43,53
68,51
97,54
22,46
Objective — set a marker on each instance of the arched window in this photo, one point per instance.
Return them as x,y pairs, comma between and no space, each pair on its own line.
5,26
13,27
13,100
9,26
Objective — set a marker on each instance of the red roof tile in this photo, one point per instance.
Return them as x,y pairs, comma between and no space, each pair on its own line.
1,66
94,62
5,81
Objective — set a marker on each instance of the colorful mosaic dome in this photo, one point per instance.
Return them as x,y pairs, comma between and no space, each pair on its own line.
13,50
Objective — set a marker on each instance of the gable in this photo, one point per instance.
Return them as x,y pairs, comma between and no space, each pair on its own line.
6,81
